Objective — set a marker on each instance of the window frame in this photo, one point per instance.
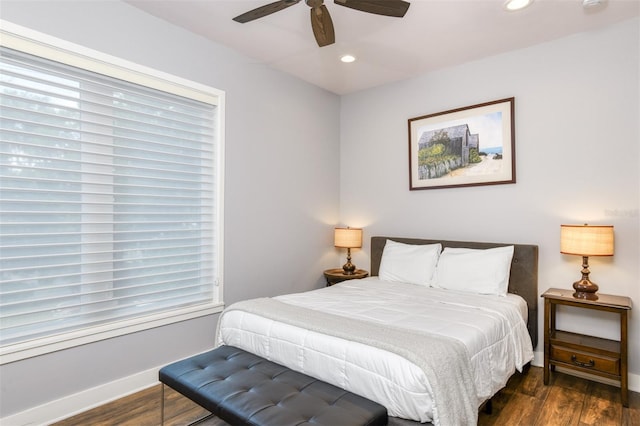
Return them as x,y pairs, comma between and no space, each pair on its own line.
35,43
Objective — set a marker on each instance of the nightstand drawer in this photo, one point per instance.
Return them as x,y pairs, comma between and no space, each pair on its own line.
586,360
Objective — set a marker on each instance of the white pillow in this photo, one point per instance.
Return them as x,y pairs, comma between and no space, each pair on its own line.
475,271
409,263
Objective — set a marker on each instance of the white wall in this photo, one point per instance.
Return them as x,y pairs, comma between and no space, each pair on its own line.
577,140
281,194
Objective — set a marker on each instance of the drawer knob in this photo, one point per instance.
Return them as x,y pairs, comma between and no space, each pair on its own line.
589,364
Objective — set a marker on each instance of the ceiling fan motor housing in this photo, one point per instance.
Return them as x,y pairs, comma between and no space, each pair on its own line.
314,3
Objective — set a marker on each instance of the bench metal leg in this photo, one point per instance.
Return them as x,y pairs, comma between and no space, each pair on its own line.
162,406
162,410
202,420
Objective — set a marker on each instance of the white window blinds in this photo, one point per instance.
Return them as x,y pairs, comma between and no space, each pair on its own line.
109,199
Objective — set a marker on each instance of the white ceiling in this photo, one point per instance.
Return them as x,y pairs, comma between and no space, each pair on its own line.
434,34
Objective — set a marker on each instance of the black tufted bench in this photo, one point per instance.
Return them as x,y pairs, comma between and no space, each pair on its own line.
244,389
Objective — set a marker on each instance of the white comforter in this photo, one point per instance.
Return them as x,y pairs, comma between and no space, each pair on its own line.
492,328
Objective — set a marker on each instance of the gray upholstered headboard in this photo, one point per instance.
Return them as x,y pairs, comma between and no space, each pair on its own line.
524,270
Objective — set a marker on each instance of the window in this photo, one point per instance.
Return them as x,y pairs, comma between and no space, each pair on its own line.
110,196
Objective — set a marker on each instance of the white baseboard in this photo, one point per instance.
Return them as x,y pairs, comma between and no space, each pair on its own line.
71,405
634,382
538,359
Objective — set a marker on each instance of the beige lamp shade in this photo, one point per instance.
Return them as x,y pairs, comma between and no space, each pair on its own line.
347,237
586,240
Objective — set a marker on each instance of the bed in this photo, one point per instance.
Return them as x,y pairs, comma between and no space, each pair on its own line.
426,351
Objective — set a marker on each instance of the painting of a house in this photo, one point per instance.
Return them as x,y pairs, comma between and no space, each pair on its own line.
446,149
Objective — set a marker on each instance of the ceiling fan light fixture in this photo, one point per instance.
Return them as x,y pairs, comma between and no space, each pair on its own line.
347,59
513,5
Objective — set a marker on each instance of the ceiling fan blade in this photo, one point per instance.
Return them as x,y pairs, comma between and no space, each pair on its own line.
395,8
265,10
322,26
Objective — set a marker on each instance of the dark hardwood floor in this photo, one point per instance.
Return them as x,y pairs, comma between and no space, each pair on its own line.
526,401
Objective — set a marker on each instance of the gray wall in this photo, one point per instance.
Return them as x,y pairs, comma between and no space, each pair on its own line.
281,194
577,161
576,112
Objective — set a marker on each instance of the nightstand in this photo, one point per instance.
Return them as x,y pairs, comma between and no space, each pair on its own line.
580,352
335,276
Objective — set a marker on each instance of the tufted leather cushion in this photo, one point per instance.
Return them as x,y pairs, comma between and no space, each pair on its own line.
244,389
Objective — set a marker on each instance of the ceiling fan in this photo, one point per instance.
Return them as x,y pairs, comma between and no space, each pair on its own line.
321,22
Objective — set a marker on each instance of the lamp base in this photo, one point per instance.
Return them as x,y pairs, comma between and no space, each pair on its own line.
585,289
348,268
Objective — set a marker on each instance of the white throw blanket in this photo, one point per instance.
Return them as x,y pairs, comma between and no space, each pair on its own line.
451,382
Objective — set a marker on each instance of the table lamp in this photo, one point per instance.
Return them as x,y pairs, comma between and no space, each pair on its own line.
586,240
348,238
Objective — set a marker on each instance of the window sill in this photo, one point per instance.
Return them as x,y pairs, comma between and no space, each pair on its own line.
20,351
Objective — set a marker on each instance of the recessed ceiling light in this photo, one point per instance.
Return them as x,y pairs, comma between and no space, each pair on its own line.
591,3
347,58
513,5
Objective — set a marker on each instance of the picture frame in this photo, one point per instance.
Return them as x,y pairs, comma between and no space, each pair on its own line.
469,146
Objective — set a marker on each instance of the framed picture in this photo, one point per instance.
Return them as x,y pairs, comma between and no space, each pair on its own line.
468,146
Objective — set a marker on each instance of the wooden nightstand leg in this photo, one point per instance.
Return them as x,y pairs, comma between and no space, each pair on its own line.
624,379
552,327
547,313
